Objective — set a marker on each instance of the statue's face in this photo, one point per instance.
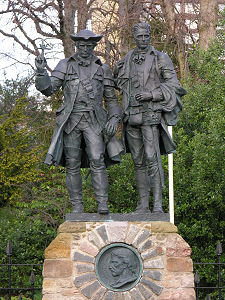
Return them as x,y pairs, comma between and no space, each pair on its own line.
116,266
85,48
142,38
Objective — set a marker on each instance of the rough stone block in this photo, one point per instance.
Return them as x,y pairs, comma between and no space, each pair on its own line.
72,227
136,295
103,234
152,286
80,280
89,290
109,296
187,280
161,237
172,280
89,248
76,237
48,286
59,247
68,293
152,253
161,227
127,296
145,292
141,237
154,264
155,275
132,233
57,268
176,246
100,294
94,239
84,258
117,231
146,245
179,264
84,268
64,284
118,296
177,294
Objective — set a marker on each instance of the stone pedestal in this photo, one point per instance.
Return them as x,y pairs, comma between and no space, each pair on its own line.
70,261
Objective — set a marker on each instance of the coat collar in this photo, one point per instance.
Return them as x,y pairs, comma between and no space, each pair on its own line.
95,63
125,70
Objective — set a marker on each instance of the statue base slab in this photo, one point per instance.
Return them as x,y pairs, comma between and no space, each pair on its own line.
75,270
87,217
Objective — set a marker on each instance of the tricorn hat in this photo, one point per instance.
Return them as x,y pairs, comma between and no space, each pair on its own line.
86,34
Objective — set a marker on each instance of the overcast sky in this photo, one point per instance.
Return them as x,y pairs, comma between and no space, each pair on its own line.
18,64
11,68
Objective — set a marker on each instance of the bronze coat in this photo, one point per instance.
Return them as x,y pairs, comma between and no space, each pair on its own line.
66,75
160,71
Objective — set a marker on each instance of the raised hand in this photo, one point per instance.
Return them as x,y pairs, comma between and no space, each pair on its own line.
40,63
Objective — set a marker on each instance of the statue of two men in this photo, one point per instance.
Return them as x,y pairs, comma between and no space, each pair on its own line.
85,129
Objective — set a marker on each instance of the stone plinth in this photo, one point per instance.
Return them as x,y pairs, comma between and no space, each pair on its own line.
69,267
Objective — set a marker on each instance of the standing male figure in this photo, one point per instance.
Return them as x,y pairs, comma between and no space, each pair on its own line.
84,129
150,97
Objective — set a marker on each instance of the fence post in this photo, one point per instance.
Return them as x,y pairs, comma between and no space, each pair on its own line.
208,297
32,280
219,251
9,253
197,280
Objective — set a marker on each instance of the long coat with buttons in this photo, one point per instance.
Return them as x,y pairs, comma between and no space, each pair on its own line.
66,75
165,90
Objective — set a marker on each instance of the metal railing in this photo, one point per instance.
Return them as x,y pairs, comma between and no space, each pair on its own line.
197,279
31,288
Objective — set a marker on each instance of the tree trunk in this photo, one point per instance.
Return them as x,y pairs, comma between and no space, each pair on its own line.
207,22
175,27
68,26
129,14
82,15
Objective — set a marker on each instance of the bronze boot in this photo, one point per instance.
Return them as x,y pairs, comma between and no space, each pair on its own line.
157,193
100,184
142,181
77,205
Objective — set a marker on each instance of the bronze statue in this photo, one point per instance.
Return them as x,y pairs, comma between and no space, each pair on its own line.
151,100
84,134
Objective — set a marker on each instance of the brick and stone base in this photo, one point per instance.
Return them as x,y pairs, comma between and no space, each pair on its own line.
69,267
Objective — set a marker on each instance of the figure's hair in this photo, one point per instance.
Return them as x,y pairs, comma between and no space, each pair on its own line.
127,257
142,25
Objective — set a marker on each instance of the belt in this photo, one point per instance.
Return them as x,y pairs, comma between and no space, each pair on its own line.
81,109
90,110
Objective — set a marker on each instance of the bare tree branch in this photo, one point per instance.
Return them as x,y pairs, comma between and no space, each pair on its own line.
19,42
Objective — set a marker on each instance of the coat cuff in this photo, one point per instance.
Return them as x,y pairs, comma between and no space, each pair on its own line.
157,95
42,82
115,112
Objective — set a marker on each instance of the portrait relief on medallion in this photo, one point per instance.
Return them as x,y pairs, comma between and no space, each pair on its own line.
118,267
132,264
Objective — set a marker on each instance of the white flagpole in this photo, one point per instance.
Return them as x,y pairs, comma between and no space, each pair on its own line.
171,191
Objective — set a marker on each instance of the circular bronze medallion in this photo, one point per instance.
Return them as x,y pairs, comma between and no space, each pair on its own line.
118,267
